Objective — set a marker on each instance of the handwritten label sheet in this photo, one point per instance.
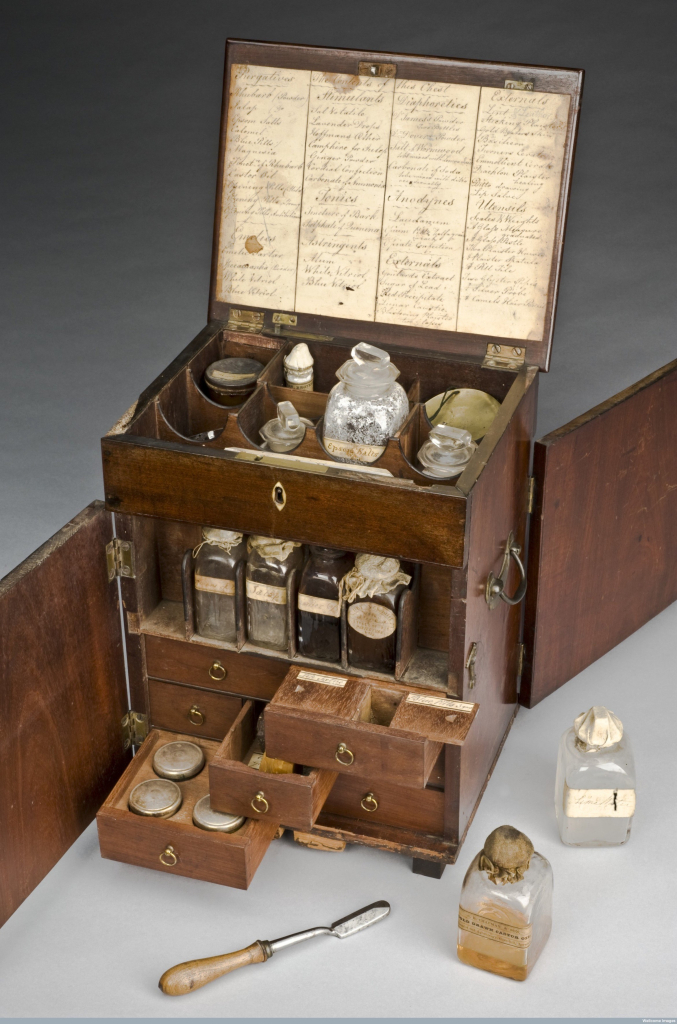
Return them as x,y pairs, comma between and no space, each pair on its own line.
430,204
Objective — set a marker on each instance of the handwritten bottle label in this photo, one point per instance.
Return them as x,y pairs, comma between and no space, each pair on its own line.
350,450
440,702
497,931
372,620
319,605
212,585
599,803
264,592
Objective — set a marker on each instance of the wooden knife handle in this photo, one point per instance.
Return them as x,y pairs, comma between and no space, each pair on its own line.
183,978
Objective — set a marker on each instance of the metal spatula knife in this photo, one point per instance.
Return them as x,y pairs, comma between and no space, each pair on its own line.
196,973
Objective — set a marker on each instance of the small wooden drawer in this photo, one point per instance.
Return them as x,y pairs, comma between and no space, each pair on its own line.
187,709
360,727
175,845
182,661
421,810
294,800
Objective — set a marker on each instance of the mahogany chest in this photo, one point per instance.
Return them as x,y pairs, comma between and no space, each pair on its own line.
418,204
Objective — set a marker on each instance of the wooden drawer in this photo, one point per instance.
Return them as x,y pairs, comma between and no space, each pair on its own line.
363,728
380,802
187,709
213,667
225,858
294,800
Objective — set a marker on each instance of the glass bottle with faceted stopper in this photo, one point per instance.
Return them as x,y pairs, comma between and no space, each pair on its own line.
372,591
216,561
286,431
446,453
269,564
366,408
505,909
319,605
595,784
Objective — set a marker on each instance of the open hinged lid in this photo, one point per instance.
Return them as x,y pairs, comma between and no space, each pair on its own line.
416,202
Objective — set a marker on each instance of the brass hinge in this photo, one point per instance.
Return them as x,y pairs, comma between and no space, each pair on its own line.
120,559
531,495
520,661
290,319
134,729
246,321
373,70
504,357
516,83
470,665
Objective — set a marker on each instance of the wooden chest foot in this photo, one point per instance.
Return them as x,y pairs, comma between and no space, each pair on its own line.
431,868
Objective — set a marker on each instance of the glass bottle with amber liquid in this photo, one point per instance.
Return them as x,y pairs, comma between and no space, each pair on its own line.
269,565
372,591
505,909
216,561
319,604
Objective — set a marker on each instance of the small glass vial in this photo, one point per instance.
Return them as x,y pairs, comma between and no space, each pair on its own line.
269,565
286,431
372,591
446,453
595,784
299,368
319,604
505,909
366,408
216,561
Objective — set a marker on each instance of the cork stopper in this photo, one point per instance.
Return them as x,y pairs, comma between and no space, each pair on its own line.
506,855
597,728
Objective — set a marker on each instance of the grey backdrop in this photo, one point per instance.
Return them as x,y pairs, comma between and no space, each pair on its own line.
111,118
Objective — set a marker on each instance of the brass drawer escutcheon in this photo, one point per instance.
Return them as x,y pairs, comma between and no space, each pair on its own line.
279,497
217,672
369,802
196,716
169,857
341,752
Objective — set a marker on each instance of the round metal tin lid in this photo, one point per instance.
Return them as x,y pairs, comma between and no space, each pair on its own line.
214,821
178,760
233,373
155,798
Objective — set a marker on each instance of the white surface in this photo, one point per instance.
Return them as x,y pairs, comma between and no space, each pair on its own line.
95,936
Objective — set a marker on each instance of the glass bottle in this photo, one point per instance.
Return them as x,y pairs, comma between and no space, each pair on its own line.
269,564
505,909
286,431
216,561
372,590
446,453
366,408
319,604
299,368
595,784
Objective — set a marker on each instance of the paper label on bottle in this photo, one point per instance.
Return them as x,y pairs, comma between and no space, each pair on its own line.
372,620
319,605
599,803
320,677
264,592
350,450
441,702
214,586
497,931
255,760
224,375
300,387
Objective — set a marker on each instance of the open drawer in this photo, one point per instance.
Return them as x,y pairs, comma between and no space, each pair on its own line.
294,799
362,727
175,844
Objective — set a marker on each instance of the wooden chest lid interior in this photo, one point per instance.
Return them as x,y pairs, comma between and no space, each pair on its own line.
412,202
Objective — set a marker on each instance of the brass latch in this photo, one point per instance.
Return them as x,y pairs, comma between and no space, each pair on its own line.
373,70
120,559
134,729
246,321
516,83
290,319
504,357
470,665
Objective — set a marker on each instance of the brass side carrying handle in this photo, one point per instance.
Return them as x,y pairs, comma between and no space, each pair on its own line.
369,802
260,804
495,588
341,752
168,857
196,716
217,672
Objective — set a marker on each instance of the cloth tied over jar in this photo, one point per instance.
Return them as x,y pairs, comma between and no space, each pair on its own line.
224,539
371,575
271,547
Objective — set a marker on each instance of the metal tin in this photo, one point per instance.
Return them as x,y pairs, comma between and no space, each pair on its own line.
214,821
178,760
231,381
155,798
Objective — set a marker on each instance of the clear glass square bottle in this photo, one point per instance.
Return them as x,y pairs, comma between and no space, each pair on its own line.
505,909
269,564
216,561
595,783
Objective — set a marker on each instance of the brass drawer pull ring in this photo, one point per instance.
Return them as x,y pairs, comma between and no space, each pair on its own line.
369,802
495,589
343,752
196,716
217,672
260,804
169,858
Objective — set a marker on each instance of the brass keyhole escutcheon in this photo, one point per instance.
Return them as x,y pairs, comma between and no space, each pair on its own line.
196,716
169,857
259,803
343,755
217,672
369,802
279,496
495,587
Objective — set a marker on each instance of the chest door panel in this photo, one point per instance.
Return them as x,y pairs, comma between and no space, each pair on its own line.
603,547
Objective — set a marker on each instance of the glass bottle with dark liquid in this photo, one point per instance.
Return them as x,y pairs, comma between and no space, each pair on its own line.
319,605
373,590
